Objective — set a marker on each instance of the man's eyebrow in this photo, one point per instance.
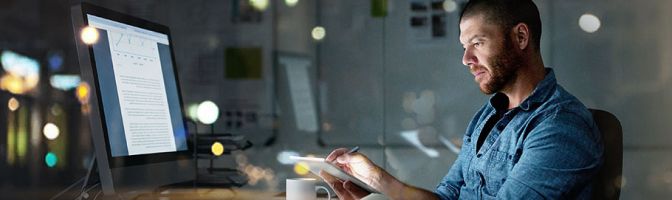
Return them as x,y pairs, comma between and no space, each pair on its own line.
479,36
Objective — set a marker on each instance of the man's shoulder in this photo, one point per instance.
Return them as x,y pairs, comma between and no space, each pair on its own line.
562,105
563,114
561,100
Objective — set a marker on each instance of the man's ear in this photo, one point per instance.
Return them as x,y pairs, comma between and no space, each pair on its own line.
522,35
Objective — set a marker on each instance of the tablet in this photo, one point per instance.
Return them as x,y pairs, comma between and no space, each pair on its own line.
317,164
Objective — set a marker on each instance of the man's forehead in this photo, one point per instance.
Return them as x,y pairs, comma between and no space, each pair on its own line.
469,28
474,26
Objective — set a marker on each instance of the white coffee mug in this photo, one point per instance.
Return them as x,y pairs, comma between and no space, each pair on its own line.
303,189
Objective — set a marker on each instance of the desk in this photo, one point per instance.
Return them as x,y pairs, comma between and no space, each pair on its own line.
216,193
177,194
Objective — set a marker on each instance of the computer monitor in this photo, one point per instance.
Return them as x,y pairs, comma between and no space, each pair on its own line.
137,122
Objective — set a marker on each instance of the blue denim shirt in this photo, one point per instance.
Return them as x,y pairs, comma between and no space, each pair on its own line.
548,147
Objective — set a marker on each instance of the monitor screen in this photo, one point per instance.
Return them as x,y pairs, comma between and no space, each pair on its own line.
137,123
138,90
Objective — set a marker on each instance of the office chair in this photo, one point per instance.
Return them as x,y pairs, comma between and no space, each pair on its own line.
608,184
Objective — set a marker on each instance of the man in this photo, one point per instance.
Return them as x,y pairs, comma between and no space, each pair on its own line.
531,140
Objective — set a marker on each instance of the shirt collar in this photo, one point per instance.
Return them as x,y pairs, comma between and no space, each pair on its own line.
540,93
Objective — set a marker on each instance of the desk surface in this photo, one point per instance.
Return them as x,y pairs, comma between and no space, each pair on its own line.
216,193
174,193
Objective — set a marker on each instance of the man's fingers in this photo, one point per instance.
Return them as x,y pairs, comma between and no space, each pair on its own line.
352,158
328,177
354,190
336,185
334,154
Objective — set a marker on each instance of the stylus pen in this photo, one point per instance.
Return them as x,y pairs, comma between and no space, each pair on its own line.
353,150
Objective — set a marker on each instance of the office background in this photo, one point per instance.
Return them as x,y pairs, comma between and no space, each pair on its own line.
307,76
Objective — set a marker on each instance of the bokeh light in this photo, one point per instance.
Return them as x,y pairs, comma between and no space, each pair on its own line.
12,84
89,35
291,3
22,73
64,82
83,92
51,131
56,110
301,168
449,6
207,112
285,157
260,5
51,159
19,65
55,61
217,149
589,23
318,33
256,174
16,84
192,111
13,104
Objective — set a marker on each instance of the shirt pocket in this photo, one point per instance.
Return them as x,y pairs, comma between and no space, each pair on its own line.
498,169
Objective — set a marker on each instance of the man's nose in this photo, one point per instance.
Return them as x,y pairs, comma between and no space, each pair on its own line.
468,58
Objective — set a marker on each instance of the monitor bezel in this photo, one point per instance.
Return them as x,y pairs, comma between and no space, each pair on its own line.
142,159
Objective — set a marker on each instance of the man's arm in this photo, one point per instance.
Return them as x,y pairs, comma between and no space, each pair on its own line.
560,157
364,169
449,187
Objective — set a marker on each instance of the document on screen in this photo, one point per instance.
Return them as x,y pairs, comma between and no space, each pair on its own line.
142,93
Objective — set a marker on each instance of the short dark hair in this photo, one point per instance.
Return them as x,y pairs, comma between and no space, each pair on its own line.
507,14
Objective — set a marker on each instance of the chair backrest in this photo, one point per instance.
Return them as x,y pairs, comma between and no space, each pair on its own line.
608,183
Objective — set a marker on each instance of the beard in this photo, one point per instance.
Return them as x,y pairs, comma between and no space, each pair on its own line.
503,69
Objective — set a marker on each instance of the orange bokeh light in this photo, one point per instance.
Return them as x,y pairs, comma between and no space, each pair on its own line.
83,92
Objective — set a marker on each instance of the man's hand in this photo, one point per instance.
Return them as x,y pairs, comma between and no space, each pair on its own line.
345,190
362,168
357,165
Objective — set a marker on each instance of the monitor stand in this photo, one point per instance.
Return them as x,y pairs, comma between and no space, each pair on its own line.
90,182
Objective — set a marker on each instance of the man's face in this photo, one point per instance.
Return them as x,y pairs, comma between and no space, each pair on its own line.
489,53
